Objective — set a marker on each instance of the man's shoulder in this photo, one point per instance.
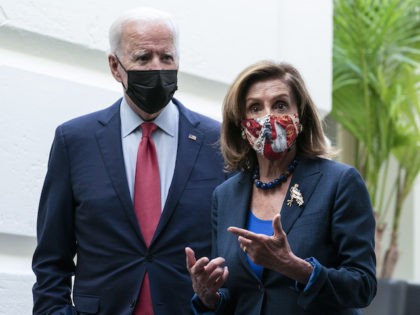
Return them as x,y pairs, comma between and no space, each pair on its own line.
100,116
195,118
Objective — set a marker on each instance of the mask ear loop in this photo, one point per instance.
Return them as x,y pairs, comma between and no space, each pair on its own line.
118,60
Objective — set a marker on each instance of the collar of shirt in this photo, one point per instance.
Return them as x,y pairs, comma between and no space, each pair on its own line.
130,120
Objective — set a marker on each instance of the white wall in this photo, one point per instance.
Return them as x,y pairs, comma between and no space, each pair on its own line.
218,38
53,67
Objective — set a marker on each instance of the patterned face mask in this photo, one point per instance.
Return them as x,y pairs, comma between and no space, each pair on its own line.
272,136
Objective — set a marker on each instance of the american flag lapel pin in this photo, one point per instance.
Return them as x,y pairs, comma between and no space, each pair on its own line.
192,137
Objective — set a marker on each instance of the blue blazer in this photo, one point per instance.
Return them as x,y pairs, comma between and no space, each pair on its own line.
86,210
335,225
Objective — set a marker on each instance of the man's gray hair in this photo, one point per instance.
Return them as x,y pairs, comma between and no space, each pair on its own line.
140,15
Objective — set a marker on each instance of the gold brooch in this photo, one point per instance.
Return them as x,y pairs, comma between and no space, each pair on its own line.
295,195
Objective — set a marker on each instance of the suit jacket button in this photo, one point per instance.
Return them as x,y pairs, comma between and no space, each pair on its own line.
149,257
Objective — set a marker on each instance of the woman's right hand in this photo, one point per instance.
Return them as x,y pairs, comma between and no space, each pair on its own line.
207,277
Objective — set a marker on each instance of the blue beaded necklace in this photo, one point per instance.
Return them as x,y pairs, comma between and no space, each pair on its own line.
276,182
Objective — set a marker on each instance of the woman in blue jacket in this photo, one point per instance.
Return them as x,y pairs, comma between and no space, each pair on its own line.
293,231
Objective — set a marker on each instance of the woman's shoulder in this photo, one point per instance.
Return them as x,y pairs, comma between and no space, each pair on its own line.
236,179
328,164
331,168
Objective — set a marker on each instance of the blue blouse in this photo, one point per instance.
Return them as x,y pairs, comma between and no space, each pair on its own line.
258,226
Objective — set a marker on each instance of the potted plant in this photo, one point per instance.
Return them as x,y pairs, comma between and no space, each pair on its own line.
376,72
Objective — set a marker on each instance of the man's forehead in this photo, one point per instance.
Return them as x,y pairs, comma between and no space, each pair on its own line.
147,27
156,35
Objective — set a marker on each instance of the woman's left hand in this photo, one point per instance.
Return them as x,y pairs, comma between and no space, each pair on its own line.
273,252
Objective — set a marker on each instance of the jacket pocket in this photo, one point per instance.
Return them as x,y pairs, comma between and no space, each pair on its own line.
86,304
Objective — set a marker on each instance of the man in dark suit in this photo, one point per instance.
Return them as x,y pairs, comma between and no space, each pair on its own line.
88,223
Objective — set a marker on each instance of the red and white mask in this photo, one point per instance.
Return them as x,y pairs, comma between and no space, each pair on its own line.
272,136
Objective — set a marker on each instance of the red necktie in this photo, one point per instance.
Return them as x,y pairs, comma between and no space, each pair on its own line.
147,204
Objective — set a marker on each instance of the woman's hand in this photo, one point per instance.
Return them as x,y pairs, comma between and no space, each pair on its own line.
273,252
207,277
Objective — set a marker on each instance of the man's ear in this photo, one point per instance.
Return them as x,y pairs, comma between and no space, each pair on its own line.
113,66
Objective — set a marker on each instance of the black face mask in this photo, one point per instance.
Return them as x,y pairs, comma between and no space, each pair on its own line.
151,90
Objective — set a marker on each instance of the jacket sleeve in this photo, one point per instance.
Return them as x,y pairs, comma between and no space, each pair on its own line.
352,283
199,308
53,263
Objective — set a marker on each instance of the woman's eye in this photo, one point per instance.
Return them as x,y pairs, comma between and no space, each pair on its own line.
254,108
280,105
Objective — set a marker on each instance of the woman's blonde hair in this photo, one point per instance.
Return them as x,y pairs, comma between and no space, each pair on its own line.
237,152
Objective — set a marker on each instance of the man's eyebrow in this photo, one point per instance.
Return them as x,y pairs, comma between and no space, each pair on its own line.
140,52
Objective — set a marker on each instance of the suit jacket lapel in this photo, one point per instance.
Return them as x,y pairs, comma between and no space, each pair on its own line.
240,202
189,143
307,175
110,145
